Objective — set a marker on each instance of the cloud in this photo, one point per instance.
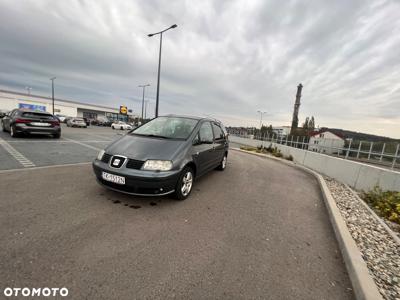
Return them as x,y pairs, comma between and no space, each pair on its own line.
227,59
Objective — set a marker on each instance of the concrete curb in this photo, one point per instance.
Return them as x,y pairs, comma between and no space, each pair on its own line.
363,285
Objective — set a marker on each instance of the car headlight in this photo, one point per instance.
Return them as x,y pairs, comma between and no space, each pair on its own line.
100,155
157,165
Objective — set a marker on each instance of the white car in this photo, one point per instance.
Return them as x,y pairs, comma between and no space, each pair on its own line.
121,125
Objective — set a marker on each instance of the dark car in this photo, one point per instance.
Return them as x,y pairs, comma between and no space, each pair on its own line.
163,156
22,121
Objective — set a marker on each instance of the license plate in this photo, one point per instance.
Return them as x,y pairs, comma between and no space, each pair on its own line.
113,178
40,124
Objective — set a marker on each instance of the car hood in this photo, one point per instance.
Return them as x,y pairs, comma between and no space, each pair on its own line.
143,148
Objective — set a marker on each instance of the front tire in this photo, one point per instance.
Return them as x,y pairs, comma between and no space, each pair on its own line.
113,127
185,184
57,135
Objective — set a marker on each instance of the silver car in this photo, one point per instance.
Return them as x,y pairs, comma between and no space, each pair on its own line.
76,122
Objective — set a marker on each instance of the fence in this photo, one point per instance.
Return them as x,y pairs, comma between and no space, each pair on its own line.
378,153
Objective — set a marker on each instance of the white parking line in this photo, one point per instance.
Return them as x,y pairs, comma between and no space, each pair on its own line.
44,167
57,142
82,144
16,154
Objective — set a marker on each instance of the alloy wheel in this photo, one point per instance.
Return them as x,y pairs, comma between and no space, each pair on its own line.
187,183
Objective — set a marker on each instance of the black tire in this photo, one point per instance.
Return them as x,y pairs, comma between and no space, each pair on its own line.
57,135
222,165
179,191
3,127
13,133
113,127
121,128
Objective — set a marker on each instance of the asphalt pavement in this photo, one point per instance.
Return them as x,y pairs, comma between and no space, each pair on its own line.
258,230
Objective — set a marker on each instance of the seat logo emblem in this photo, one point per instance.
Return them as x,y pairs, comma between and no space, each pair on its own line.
116,162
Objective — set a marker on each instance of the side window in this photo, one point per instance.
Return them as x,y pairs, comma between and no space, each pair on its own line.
206,134
218,133
196,139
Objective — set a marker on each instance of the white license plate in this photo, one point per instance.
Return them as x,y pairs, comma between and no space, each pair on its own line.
113,178
40,124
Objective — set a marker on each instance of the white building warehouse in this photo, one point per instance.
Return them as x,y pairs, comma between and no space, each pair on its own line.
326,142
10,100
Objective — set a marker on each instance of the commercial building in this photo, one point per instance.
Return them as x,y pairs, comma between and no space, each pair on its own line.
10,100
281,131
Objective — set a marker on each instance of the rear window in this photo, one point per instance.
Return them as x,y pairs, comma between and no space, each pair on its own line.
37,115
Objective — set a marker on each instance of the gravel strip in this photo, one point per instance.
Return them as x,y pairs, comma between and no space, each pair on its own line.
379,250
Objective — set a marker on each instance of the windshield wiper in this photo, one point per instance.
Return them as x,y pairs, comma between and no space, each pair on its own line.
154,135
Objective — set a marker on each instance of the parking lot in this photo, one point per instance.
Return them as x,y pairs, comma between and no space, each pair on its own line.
76,145
257,230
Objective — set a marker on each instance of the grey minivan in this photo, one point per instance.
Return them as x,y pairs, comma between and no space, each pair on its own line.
163,156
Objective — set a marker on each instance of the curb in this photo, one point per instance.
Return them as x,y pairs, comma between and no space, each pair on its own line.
364,286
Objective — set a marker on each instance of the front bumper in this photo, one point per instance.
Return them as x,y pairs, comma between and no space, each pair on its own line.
138,182
22,128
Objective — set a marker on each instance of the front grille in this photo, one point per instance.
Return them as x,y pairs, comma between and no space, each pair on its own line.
134,164
106,158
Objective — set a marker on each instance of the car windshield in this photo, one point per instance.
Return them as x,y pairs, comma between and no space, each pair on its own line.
168,127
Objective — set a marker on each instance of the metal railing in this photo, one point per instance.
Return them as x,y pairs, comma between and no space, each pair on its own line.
386,154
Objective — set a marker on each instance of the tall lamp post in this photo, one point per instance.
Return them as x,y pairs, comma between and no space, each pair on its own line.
261,117
159,63
52,90
145,108
144,87
28,88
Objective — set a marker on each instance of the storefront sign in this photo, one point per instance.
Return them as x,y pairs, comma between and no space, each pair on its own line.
123,110
32,107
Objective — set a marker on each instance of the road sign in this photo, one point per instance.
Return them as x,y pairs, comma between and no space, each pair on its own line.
123,110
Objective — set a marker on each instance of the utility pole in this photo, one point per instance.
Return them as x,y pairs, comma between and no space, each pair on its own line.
52,90
144,87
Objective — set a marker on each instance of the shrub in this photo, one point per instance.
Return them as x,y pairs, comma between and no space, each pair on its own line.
386,204
290,157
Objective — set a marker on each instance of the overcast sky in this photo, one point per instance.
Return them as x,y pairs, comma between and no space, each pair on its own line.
226,59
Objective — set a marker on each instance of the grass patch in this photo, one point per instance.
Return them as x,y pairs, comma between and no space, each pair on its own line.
386,204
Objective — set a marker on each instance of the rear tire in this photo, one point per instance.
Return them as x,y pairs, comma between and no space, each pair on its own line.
222,165
113,127
122,128
184,185
13,133
4,128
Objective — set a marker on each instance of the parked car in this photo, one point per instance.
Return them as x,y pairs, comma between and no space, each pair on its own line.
163,156
76,122
23,121
87,121
3,113
121,125
61,117
102,122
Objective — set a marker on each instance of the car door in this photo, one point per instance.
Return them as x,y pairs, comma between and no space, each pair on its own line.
203,148
220,143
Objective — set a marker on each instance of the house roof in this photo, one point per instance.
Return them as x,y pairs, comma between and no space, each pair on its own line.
314,133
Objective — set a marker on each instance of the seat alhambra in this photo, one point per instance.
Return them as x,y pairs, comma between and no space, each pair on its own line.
163,156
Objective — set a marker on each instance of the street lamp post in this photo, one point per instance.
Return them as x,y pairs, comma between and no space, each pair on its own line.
52,90
145,108
261,116
28,88
144,87
159,64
